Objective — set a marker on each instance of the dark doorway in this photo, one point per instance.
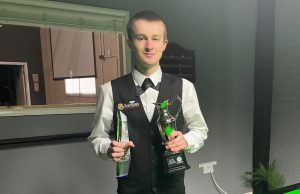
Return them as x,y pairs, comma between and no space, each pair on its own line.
8,76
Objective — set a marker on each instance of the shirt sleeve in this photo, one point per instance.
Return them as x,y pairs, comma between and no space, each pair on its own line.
197,128
99,138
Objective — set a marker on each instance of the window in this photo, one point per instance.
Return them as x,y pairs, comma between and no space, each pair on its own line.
80,86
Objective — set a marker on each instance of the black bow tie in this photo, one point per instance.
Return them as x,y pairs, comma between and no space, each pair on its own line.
146,84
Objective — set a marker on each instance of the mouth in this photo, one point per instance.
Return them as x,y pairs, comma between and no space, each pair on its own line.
149,54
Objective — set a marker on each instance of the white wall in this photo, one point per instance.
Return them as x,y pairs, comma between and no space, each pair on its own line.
222,33
285,134
61,168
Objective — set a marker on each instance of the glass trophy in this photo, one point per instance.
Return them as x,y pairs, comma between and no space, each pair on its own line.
173,161
122,167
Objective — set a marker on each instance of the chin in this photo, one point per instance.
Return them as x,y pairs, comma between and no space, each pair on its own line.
150,62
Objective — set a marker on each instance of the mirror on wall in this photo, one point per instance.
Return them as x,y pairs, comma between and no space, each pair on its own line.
52,62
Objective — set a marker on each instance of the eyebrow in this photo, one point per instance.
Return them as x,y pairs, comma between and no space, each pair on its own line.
154,36
157,36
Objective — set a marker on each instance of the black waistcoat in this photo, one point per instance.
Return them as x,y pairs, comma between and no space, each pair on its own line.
146,168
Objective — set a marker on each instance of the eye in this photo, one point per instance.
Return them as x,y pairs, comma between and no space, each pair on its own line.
139,37
156,38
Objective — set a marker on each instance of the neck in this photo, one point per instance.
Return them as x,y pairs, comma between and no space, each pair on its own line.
147,71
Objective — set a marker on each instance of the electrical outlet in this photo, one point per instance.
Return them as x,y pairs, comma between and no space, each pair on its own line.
208,167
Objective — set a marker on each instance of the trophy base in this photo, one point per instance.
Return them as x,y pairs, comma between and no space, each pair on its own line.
174,162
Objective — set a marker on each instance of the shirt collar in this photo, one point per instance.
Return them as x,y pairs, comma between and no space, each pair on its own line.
139,78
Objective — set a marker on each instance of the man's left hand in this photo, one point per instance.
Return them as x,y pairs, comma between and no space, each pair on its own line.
176,142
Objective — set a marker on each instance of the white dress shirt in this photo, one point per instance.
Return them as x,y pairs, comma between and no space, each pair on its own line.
197,128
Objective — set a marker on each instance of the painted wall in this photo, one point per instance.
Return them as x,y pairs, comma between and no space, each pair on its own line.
286,91
222,33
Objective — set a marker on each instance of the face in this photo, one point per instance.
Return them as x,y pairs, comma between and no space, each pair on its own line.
148,43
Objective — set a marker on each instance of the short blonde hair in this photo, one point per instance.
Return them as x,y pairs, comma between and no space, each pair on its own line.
144,15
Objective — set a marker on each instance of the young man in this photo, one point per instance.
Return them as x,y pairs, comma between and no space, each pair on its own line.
147,36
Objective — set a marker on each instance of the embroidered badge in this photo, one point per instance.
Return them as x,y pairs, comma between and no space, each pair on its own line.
132,105
120,106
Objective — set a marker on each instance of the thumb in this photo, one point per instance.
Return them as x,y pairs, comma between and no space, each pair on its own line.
130,144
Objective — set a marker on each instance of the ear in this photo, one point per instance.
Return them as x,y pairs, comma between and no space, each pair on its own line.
166,43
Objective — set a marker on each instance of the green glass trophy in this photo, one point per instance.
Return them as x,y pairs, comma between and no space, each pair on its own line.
122,167
173,161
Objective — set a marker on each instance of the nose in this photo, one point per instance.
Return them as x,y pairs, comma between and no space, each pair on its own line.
148,46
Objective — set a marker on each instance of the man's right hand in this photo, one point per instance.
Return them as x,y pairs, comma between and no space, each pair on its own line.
116,150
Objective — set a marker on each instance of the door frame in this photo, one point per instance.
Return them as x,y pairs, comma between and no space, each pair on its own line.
25,79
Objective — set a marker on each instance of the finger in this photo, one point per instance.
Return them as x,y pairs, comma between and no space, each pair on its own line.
177,137
172,145
116,144
117,150
178,148
117,159
174,134
129,144
111,151
116,147
117,154
177,144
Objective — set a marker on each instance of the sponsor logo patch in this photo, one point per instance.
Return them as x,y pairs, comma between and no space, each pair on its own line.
132,105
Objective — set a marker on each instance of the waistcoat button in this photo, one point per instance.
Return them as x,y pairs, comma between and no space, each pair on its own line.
154,189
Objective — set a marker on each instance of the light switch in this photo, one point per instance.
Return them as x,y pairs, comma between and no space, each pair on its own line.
36,86
35,77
